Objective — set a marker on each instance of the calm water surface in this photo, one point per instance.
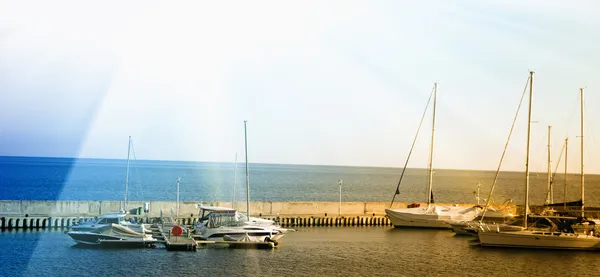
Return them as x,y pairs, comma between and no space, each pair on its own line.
317,251
31,178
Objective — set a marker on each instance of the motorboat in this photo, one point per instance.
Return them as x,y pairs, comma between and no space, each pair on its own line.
111,234
221,223
246,241
105,221
217,222
205,211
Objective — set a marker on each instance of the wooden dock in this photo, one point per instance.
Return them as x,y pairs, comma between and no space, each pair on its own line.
174,243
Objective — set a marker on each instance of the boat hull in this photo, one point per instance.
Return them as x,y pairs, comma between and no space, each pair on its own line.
545,240
459,228
432,217
90,238
257,236
407,221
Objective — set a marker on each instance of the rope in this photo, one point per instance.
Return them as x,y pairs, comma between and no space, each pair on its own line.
411,148
574,111
137,176
504,151
554,174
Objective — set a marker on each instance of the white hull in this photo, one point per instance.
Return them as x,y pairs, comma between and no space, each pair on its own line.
217,234
538,239
400,220
90,238
459,228
473,227
430,217
139,228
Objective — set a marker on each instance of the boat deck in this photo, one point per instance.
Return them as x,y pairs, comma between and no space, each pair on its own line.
177,243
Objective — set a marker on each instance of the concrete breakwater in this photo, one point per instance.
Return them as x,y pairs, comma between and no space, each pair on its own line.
43,214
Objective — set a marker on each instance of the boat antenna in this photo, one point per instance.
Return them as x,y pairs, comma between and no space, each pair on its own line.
178,179
430,191
247,176
127,173
234,181
411,149
512,127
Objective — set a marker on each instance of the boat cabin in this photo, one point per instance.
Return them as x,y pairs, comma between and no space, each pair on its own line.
205,211
217,219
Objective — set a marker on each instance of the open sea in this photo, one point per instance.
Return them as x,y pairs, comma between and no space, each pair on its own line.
312,251
31,178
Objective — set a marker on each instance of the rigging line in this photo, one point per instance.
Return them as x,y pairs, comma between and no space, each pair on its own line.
412,147
593,136
504,151
553,175
137,176
540,149
573,113
589,126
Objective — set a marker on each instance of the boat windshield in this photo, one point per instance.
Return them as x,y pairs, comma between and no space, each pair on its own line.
110,220
216,220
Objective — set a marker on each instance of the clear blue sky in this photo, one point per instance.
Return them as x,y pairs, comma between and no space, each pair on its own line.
320,82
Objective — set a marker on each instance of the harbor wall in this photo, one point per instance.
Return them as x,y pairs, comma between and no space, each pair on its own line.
48,214
189,209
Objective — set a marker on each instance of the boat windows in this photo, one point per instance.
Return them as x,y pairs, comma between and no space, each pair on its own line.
114,220
223,219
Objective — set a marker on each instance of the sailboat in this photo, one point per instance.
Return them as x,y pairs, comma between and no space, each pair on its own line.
220,223
528,238
430,216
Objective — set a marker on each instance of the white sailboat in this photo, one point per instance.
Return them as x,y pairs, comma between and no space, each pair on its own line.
430,216
527,238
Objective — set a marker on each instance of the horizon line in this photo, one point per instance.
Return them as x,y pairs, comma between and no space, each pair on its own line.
271,163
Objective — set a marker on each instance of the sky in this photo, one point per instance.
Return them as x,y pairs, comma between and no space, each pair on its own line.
319,82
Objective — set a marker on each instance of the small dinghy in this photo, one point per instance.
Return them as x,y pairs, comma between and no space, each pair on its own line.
247,241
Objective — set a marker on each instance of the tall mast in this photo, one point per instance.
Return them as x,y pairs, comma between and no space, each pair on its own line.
582,174
234,181
431,147
247,177
566,162
127,173
549,198
527,155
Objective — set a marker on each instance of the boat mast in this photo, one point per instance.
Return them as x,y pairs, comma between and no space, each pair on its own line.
234,181
582,174
247,177
549,198
431,147
566,162
127,173
527,155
